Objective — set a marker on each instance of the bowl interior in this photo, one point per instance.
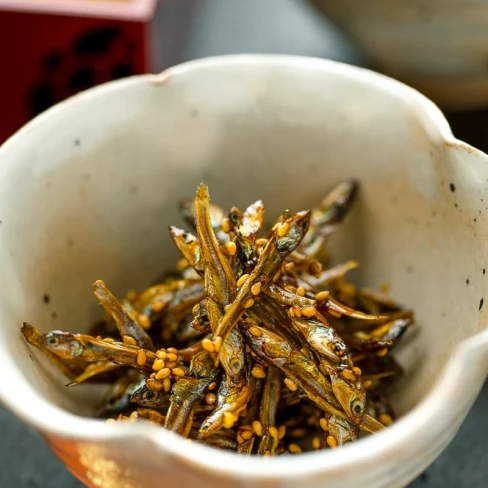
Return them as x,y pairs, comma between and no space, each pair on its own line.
89,189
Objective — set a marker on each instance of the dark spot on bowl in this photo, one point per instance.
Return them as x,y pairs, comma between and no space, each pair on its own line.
475,219
484,271
456,205
46,298
452,187
134,189
77,142
481,304
409,268
194,113
70,242
467,281
54,315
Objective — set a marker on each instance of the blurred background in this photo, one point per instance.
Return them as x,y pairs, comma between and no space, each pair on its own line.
52,49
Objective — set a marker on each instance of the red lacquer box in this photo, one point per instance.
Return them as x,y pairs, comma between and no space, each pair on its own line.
51,49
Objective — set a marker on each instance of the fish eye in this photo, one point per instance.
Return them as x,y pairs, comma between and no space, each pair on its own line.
338,349
235,364
357,407
234,217
52,341
148,395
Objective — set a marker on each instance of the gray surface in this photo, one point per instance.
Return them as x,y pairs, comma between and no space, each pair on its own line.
224,27
27,462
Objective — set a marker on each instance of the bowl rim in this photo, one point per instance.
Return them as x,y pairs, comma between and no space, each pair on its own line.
55,421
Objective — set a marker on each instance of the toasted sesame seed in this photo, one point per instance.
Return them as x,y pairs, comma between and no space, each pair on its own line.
282,229
301,291
195,308
291,312
277,277
231,248
298,432
167,384
256,288
158,364
217,343
141,357
322,295
210,398
357,371
131,295
246,434
207,344
267,453
242,280
297,311
154,385
152,375
163,373
324,425
144,321
315,269
257,427
316,442
110,421
331,441
161,354
334,313
273,432
289,266
385,419
261,241
249,303
158,306
281,431
229,420
172,356
294,448
382,352
212,386
172,350
290,384
171,364
309,311
178,372
182,264
227,307
349,375
367,384
225,226
255,331
290,288
240,439
258,371
246,427
109,340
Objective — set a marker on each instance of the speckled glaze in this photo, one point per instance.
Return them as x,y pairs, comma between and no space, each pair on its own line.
439,47
88,189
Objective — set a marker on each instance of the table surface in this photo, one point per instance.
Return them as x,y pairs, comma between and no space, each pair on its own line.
280,26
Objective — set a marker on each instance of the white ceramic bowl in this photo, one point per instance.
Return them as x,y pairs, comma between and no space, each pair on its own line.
439,47
88,189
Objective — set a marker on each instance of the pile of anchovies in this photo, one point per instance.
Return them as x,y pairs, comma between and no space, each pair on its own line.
251,344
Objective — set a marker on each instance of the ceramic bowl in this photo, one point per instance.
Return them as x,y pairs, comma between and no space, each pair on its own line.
88,189
437,47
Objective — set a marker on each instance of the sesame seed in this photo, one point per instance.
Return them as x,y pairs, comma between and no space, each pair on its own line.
334,313
109,340
324,425
315,269
291,312
294,448
207,344
316,442
256,288
172,350
167,384
349,375
282,229
332,441
276,277
131,295
297,311
357,371
273,432
367,384
195,308
163,373
144,321
162,354
229,420
299,432
281,431
217,343
246,434
141,358
309,311
210,398
257,427
240,439
289,266
182,264
158,364
385,419
227,307
290,384
212,386
382,352
255,331
242,280
178,372
258,371
225,226
261,241
249,303
231,248
154,385
158,306
322,295
301,291
172,356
